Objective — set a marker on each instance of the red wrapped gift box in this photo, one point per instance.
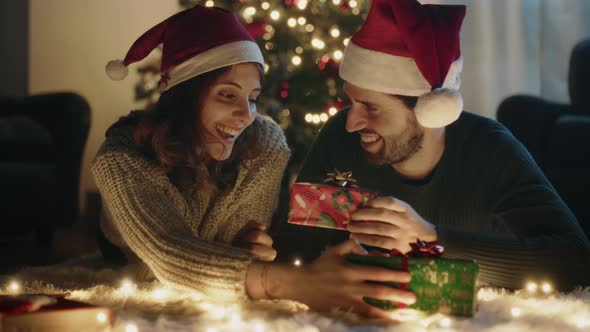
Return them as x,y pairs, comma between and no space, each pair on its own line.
326,206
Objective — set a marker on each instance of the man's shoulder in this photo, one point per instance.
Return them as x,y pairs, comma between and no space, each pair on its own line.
474,128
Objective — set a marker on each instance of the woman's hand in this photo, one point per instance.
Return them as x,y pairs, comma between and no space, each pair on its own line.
254,238
332,282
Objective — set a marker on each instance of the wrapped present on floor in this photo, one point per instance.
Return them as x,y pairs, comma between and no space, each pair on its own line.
441,285
328,205
39,312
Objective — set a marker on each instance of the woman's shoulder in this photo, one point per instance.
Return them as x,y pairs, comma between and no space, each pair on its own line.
119,146
271,135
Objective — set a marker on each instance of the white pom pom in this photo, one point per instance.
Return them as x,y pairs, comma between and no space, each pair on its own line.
439,108
116,70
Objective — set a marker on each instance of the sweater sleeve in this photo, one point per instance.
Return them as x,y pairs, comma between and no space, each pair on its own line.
150,214
258,191
547,243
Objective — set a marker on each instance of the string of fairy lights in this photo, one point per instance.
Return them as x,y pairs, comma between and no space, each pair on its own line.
230,316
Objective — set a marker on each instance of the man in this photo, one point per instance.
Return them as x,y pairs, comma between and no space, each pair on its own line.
442,175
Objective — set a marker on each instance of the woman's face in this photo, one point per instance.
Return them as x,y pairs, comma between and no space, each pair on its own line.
229,107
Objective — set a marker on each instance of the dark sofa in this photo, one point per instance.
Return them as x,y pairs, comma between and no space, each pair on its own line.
42,139
558,135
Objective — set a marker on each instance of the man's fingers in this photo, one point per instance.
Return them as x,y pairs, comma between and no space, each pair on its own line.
375,228
380,214
388,202
384,242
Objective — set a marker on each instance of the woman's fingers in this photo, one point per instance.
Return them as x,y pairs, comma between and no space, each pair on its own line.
263,252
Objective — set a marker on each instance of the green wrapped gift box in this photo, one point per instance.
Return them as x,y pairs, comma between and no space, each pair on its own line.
441,285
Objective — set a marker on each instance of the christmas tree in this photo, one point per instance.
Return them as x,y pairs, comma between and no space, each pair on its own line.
303,43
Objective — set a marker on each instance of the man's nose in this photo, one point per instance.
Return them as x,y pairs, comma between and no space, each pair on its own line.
356,119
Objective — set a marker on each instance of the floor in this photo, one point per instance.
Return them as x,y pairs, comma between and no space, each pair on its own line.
70,242
74,241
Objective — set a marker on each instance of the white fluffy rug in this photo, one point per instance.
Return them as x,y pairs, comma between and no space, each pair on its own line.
150,306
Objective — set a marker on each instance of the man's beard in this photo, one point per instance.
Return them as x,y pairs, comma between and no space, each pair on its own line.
398,148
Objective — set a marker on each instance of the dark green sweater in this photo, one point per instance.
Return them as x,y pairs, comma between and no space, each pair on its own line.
487,198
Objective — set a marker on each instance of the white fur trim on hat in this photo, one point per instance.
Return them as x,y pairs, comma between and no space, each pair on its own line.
392,74
215,58
116,70
438,108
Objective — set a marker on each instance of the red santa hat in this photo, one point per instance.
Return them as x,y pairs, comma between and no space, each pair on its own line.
411,48
195,41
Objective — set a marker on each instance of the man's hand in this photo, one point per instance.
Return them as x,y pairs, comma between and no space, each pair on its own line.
390,223
254,238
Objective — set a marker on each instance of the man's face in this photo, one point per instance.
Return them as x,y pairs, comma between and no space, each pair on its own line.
388,130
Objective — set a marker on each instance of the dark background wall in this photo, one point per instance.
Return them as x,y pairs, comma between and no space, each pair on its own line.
14,47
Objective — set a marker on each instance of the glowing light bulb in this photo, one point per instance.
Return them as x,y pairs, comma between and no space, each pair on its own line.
210,3
266,68
323,117
160,293
14,287
127,287
131,328
445,322
515,312
337,54
301,4
301,20
275,15
335,32
336,2
296,60
356,11
297,262
332,111
249,11
531,287
345,41
352,4
309,28
298,49
316,119
291,22
318,43
265,5
546,287
101,317
308,117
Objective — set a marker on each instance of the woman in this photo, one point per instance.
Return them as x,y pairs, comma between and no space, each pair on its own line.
201,170
190,186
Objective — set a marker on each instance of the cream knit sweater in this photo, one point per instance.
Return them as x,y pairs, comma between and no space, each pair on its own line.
185,240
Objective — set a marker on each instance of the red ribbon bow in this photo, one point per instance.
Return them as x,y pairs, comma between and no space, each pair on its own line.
419,249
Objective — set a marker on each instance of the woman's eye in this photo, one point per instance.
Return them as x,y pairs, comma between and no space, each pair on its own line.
227,95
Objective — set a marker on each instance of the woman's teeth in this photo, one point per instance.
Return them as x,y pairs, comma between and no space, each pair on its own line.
227,133
369,139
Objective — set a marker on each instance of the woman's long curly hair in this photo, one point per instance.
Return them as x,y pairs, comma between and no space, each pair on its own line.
171,133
